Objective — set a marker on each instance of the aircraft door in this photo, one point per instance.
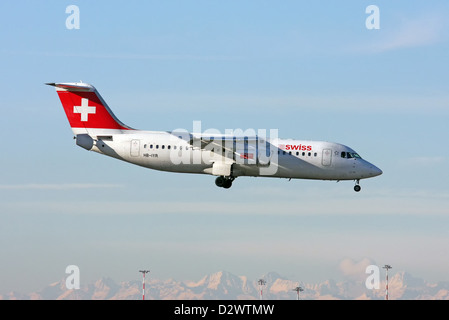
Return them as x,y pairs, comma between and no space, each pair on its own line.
135,148
327,157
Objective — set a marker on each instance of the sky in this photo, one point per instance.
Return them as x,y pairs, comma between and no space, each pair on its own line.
310,69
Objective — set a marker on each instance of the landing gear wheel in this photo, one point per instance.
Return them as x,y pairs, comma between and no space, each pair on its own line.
220,181
227,183
224,182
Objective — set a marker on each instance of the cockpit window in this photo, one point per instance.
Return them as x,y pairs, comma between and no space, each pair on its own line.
350,155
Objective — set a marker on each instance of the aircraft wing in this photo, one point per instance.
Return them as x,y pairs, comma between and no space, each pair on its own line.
240,147
248,150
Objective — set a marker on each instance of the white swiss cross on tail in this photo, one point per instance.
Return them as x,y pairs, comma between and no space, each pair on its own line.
84,109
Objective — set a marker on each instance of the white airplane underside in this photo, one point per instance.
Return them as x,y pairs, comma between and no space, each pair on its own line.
224,156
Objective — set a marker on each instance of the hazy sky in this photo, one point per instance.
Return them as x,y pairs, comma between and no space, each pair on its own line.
310,69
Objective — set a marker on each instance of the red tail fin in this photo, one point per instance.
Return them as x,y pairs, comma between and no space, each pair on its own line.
85,109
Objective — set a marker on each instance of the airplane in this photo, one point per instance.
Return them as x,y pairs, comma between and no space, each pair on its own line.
225,156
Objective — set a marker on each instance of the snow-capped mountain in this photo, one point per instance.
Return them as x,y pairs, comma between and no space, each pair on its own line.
226,286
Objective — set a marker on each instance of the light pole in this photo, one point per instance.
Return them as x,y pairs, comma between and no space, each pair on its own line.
386,267
298,289
143,282
261,282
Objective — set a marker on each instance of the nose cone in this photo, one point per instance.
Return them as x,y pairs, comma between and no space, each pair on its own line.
374,171
369,170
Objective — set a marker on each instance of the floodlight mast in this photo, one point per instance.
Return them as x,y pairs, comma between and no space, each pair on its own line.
386,267
298,289
261,282
143,282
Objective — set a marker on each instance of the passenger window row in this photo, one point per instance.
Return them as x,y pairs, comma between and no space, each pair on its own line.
309,154
163,146
156,146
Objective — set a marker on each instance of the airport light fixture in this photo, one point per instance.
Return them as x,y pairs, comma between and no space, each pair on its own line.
298,289
386,267
143,282
261,282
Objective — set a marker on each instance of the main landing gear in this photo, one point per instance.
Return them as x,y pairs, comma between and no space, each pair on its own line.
224,182
357,186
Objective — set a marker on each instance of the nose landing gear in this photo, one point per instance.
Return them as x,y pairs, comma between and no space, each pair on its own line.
224,182
357,186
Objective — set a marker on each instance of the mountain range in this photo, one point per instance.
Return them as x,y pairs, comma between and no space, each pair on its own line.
223,285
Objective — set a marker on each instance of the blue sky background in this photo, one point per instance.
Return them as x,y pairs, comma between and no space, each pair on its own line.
310,69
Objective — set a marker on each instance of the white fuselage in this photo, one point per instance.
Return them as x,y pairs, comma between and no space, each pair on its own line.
284,158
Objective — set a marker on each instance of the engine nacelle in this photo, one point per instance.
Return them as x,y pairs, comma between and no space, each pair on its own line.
85,141
222,169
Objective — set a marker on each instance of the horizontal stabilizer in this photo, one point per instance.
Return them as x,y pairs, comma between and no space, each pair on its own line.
80,86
